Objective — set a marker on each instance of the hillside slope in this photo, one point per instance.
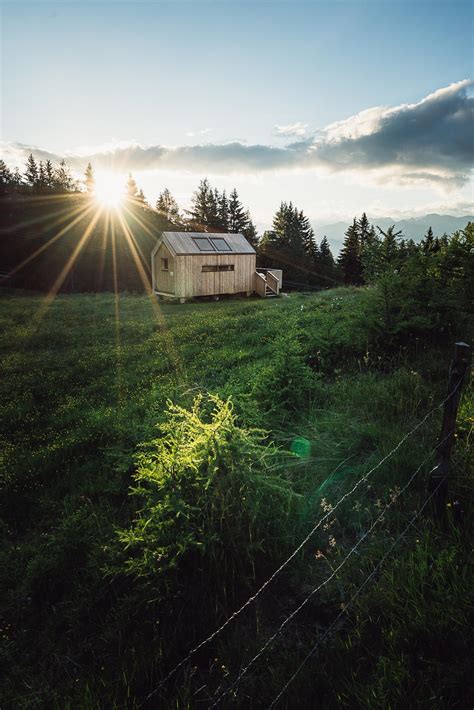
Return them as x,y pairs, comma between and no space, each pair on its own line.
40,235
102,592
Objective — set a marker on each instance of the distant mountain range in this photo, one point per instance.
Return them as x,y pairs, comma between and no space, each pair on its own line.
414,228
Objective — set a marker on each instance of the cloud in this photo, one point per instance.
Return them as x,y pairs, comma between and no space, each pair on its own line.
431,140
202,132
294,129
426,142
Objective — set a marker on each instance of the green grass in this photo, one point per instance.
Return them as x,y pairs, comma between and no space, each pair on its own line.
84,385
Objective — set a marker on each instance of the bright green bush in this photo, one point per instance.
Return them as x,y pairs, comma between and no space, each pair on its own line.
206,493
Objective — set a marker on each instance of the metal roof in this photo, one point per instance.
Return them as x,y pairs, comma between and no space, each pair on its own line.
192,243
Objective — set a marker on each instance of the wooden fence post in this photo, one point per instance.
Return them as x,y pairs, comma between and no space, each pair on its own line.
438,482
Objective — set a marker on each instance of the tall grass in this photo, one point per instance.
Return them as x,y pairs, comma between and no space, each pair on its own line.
103,591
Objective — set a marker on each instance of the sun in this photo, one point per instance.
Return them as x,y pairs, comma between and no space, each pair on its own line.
109,189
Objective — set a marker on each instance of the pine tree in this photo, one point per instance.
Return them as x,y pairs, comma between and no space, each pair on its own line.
132,189
282,247
41,176
290,226
364,230
63,178
307,236
31,172
49,174
349,257
223,210
326,261
369,249
427,243
16,178
89,179
212,217
390,249
199,212
6,177
250,231
237,216
168,212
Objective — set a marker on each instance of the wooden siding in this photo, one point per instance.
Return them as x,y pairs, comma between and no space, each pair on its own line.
191,281
164,281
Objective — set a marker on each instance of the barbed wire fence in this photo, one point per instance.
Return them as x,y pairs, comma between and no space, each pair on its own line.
338,618
438,482
320,586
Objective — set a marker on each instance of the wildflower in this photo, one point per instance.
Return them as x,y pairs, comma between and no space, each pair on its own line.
332,541
318,554
378,503
394,493
325,505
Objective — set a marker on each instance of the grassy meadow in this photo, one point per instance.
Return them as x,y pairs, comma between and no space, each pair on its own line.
199,409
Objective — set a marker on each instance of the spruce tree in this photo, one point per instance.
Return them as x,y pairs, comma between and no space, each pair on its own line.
307,236
16,178
364,230
237,216
250,231
49,174
31,172
168,212
42,184
326,262
349,257
132,189
282,246
89,179
427,243
390,248
63,178
223,211
369,249
212,217
199,212
6,177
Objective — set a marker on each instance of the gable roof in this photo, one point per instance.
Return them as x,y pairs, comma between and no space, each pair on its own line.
188,243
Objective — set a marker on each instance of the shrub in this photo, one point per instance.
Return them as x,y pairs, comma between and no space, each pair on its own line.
208,497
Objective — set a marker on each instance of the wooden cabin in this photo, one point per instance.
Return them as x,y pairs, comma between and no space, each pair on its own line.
189,264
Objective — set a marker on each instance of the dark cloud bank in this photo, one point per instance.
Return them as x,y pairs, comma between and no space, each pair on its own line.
432,140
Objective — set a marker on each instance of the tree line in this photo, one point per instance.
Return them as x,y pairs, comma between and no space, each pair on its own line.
368,252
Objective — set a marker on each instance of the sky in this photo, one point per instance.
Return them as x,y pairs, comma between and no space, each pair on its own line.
339,106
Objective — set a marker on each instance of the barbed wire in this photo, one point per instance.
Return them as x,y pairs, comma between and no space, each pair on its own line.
353,598
335,571
287,561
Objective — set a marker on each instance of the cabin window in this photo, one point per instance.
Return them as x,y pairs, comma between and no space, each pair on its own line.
218,267
203,244
220,244
164,264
